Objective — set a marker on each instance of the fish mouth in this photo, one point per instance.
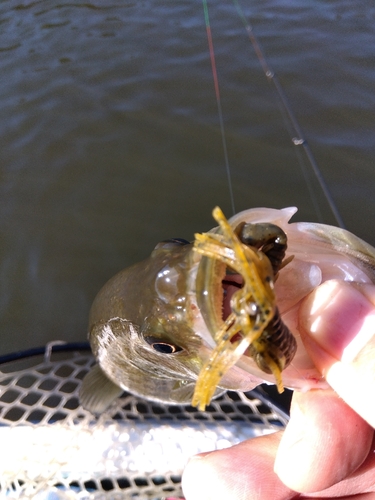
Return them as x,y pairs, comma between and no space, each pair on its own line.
231,283
216,284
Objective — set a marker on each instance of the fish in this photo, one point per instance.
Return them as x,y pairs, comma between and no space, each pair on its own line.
196,319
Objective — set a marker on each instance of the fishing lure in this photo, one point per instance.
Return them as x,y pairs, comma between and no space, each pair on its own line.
254,324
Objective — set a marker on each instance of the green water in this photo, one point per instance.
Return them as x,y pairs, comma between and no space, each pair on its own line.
110,140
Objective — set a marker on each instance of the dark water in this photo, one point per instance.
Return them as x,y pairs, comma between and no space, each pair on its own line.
110,140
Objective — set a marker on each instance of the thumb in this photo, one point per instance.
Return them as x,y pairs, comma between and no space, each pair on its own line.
337,326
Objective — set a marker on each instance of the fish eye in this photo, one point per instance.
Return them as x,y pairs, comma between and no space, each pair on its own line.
161,346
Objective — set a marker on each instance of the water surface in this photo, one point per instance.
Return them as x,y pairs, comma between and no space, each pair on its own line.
110,139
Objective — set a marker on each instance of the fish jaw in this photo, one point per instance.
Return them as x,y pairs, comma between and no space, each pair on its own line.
280,217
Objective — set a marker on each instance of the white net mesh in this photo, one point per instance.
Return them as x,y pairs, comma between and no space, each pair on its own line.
54,449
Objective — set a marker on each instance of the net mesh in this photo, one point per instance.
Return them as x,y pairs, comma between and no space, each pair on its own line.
52,448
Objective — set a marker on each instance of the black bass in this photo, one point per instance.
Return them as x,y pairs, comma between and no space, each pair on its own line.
196,319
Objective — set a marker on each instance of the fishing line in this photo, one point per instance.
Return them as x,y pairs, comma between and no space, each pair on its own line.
294,129
290,120
218,102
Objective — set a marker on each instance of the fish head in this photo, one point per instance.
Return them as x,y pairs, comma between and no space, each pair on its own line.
153,327
146,330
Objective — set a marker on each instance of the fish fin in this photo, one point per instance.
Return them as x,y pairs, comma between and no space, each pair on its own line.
97,391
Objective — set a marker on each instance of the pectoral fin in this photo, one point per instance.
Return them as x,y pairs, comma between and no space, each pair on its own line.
97,392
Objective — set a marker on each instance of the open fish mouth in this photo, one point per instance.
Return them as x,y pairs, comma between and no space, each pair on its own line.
230,285
245,319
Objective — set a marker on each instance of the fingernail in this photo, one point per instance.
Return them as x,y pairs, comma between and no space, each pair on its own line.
339,318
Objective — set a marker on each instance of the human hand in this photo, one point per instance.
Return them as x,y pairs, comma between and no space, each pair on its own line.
328,448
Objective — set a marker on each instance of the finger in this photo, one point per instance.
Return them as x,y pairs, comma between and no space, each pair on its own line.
337,325
324,442
359,485
241,472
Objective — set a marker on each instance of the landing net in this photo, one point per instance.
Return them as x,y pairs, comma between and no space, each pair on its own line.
54,449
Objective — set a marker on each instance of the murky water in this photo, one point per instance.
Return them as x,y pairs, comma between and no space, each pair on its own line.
110,140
